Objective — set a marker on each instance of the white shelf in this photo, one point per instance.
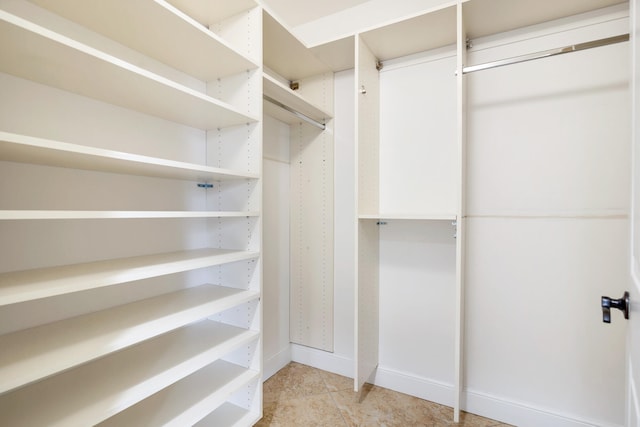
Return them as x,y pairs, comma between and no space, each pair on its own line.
436,216
36,53
208,12
98,390
286,55
28,149
486,17
63,214
36,353
34,284
229,415
421,33
169,35
281,93
189,400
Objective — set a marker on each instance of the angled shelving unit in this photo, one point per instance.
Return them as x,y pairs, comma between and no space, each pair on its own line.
103,318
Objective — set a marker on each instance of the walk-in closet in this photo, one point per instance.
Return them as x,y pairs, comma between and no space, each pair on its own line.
429,196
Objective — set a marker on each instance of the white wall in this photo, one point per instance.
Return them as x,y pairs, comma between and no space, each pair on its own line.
275,284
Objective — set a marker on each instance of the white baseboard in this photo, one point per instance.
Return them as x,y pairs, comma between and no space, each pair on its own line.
522,414
276,362
424,388
475,402
324,360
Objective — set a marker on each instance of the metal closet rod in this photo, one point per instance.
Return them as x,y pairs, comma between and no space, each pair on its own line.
294,112
547,53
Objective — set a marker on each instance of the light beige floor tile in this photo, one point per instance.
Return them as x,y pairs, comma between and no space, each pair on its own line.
335,382
317,410
299,395
382,407
293,381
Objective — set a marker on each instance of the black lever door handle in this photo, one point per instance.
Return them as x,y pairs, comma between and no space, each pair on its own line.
621,304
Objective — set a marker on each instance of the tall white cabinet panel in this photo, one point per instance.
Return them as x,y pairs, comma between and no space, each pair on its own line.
367,152
130,221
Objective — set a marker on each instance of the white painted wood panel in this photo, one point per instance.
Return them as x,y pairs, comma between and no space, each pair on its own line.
417,295
311,234
418,151
346,221
366,334
276,237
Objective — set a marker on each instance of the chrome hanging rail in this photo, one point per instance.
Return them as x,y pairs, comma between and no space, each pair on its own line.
295,113
547,53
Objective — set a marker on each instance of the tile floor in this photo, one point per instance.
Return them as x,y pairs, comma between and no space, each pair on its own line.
300,395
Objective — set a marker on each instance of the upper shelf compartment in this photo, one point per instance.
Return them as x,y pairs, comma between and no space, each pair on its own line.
427,31
486,17
280,93
287,60
161,31
286,55
56,58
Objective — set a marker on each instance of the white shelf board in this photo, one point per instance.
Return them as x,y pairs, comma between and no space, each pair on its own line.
28,149
229,415
36,53
169,35
37,353
486,17
339,55
435,216
208,12
39,283
93,392
418,34
189,400
276,90
64,214
286,55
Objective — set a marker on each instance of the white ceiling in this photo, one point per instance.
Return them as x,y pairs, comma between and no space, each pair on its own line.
297,12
